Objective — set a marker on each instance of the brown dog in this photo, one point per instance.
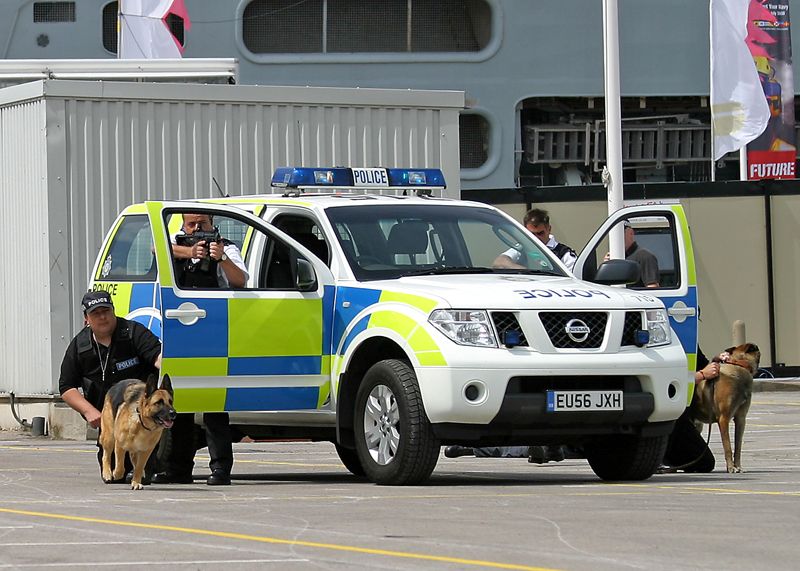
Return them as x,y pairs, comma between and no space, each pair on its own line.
134,415
727,397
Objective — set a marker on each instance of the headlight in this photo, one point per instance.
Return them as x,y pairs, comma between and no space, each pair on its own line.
658,327
464,326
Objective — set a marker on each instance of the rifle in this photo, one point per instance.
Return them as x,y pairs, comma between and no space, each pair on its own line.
200,236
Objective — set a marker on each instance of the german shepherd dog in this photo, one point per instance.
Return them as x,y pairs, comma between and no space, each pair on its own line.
133,418
727,397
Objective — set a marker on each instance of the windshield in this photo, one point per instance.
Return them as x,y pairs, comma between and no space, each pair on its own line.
391,241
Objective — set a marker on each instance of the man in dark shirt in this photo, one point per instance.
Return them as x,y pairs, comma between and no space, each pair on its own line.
108,350
648,264
225,269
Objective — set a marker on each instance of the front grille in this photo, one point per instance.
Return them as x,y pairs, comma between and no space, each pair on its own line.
507,321
555,324
540,385
633,321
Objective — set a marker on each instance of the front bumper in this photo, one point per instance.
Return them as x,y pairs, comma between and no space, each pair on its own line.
511,396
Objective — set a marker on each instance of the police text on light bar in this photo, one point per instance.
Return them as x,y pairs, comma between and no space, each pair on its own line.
343,177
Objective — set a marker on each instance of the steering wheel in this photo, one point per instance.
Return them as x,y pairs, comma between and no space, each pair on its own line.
506,238
369,261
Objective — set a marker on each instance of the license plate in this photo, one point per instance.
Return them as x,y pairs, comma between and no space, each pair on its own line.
571,401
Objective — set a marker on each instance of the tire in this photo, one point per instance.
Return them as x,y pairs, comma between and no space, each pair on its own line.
626,457
349,458
394,439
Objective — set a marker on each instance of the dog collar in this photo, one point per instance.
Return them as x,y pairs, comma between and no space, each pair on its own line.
141,419
739,363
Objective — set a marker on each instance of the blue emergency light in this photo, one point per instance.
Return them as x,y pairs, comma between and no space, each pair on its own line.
416,177
342,177
294,177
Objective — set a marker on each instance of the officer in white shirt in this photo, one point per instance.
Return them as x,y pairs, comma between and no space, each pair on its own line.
537,221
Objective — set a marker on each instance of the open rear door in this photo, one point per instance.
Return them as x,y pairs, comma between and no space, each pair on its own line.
663,230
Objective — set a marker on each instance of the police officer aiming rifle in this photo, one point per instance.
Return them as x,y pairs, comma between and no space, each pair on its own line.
205,259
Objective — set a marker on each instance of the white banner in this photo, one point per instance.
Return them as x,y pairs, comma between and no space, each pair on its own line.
144,32
739,109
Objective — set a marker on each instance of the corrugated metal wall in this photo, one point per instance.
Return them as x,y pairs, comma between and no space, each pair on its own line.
24,276
113,144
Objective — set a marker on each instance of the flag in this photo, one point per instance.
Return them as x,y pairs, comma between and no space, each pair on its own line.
769,35
739,109
144,31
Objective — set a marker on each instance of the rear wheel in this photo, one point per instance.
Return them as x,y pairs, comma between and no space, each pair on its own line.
394,439
623,457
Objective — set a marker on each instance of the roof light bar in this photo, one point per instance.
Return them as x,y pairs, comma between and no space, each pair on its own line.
361,179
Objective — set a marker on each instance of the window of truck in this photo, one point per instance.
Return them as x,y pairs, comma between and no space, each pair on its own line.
271,263
130,254
392,241
656,234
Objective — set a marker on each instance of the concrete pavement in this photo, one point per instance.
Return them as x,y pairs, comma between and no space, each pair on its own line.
293,506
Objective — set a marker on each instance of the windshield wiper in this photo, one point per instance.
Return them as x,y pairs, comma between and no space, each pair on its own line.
528,271
443,270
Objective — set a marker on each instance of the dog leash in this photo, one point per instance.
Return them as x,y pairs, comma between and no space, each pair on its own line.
670,469
712,382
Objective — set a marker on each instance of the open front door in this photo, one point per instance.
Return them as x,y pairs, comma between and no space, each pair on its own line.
260,346
663,231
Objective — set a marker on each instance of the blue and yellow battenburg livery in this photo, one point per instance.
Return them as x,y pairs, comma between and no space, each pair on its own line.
372,298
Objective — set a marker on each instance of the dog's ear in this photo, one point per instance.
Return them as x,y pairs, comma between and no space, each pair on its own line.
730,350
752,348
151,385
166,384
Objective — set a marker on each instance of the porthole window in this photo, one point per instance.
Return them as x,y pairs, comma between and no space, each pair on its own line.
473,133
110,27
354,26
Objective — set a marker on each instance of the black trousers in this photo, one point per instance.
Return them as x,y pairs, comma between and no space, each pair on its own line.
687,448
186,440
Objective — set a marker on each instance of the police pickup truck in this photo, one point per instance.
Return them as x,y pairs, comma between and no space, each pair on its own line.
374,317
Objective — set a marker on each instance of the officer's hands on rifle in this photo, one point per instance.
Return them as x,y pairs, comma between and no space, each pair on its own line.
200,238
201,248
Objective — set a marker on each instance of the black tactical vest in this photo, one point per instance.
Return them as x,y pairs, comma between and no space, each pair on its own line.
201,274
123,362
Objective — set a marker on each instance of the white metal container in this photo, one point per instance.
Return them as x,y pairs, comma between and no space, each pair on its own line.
75,153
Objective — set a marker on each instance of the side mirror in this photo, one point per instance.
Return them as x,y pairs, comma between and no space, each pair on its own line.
306,277
614,272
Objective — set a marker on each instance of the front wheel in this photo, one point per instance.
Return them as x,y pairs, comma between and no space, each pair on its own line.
623,457
394,438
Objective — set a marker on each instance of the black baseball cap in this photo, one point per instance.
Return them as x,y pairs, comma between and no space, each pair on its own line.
94,299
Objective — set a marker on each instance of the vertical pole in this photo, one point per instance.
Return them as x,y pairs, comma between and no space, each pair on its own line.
773,350
711,90
743,163
613,176
120,23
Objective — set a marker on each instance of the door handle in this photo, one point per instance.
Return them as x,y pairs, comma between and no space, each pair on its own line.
680,311
187,313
